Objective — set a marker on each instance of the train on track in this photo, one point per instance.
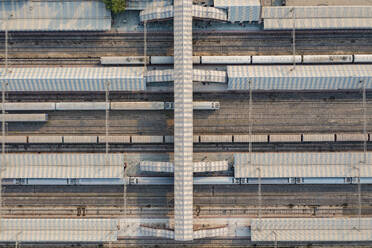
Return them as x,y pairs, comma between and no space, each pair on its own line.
166,180
56,106
231,60
212,139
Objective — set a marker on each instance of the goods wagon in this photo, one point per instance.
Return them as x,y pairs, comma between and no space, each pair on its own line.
216,138
238,138
351,137
132,60
285,137
25,117
318,137
82,106
137,105
14,139
225,59
114,139
29,106
168,139
45,139
147,139
327,59
254,138
206,105
282,59
80,139
362,58
167,60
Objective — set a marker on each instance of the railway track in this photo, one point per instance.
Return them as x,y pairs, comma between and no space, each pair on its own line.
209,201
327,114
277,97
165,199
207,147
82,45
92,212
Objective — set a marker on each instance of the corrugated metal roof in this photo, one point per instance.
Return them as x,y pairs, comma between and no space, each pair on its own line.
155,76
303,12
154,232
75,79
144,4
54,15
319,23
209,13
156,166
156,13
209,76
241,10
197,166
244,14
42,230
62,165
302,164
212,232
183,121
303,77
167,12
312,229
211,166
226,3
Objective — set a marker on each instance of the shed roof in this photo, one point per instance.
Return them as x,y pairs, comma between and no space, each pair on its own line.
65,15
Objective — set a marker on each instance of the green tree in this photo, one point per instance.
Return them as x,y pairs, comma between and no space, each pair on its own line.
116,6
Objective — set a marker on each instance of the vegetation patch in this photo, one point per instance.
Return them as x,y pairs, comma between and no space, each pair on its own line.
116,6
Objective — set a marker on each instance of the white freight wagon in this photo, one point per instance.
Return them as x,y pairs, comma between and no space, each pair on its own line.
45,139
206,105
82,105
124,60
285,137
327,59
29,106
215,138
276,59
80,139
114,139
147,139
25,118
137,105
226,60
362,58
